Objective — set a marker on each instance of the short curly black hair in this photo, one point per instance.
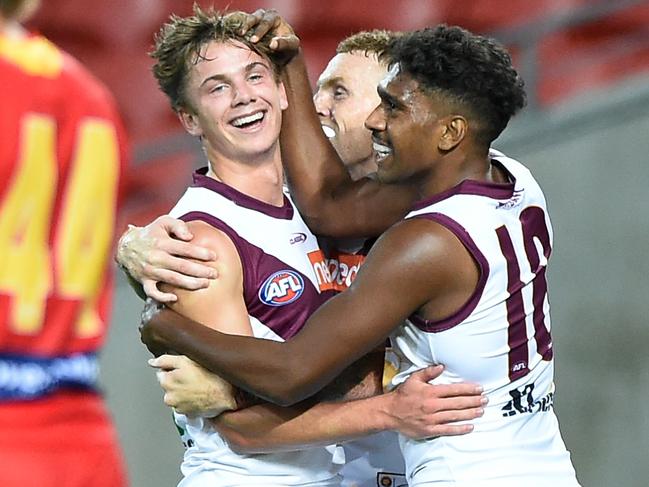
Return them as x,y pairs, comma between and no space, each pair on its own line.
471,70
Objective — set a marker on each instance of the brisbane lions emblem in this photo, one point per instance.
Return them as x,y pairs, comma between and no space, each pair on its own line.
281,288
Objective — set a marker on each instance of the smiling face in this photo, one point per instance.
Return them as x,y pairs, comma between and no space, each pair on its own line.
408,128
345,96
235,103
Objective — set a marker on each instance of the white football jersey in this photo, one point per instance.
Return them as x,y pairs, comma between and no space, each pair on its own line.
499,339
374,460
283,278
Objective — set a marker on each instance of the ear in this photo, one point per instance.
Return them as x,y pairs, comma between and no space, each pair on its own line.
190,122
283,101
453,132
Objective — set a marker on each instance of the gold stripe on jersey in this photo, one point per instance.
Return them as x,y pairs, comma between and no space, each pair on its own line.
34,55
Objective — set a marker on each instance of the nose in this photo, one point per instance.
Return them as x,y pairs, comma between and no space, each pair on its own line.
376,120
243,94
322,103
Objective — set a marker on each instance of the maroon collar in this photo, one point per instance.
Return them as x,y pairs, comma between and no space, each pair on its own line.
201,180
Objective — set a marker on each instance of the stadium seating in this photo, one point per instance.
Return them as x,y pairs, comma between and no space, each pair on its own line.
113,37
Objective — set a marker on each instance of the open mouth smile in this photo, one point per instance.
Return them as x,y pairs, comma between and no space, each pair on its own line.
382,151
328,131
249,122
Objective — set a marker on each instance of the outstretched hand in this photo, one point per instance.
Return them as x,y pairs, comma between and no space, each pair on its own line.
269,25
424,410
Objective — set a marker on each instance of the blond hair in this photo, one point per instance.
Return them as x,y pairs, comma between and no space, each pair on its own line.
367,42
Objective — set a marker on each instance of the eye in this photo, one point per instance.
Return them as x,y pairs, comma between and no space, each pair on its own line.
254,77
218,88
340,93
389,105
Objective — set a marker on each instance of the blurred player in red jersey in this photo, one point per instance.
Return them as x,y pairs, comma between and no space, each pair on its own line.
61,161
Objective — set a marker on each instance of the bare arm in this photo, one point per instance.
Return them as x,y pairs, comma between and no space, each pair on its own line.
224,294
395,281
416,409
192,390
220,306
330,202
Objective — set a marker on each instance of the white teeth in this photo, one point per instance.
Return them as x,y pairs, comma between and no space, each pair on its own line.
328,131
238,122
383,150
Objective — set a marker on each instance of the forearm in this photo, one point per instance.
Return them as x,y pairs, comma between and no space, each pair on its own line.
331,203
262,367
360,380
344,329
267,428
313,168
282,373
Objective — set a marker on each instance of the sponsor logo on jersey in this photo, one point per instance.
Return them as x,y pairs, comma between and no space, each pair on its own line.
516,198
297,238
523,401
281,288
337,272
343,269
321,270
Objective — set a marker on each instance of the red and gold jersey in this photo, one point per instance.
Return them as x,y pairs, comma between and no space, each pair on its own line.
62,154
61,159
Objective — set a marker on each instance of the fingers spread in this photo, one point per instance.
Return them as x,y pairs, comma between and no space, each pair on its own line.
184,249
454,403
178,229
285,43
461,389
181,280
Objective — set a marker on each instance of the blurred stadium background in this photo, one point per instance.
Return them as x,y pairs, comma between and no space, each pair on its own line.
585,134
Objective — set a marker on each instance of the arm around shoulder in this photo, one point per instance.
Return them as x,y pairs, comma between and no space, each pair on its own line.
330,202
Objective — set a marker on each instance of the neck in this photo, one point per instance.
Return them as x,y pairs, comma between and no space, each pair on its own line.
362,168
456,167
262,179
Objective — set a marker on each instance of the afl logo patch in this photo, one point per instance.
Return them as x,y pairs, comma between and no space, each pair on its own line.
281,288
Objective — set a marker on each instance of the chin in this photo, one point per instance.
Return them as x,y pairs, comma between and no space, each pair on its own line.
382,177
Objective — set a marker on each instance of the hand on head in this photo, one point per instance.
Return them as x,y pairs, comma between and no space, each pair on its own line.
269,26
